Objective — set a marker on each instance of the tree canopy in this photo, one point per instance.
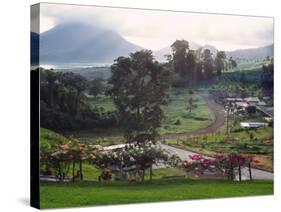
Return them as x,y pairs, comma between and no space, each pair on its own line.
139,89
219,62
63,104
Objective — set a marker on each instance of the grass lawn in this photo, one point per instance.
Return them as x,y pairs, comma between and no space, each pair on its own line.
104,137
104,102
89,193
176,111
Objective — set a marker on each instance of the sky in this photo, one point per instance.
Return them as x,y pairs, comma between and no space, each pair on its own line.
153,29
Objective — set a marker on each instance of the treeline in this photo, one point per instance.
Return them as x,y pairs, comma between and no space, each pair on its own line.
267,78
258,83
194,66
64,104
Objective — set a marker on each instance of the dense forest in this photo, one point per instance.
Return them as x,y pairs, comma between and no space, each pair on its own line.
64,105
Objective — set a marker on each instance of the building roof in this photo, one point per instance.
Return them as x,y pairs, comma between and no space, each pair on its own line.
241,104
234,99
252,99
266,97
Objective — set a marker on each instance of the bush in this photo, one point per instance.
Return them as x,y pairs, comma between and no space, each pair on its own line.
200,118
186,115
106,175
178,122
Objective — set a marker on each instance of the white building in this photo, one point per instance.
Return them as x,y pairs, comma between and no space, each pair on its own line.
248,125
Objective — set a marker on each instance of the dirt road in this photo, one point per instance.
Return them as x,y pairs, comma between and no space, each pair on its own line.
217,123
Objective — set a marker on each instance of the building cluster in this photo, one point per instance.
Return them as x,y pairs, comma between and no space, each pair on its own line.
252,107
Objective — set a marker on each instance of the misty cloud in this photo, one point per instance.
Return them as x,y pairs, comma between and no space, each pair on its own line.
157,29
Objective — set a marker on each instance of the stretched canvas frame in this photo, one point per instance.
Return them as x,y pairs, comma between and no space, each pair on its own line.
124,98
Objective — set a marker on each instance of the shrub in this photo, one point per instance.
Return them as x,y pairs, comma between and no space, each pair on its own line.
106,175
222,165
178,122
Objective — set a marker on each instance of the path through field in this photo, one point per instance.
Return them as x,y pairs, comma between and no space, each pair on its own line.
216,124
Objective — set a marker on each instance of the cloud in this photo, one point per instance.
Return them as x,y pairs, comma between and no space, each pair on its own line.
157,29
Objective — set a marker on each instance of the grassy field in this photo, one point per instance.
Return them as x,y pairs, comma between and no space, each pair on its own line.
104,137
177,117
56,195
103,101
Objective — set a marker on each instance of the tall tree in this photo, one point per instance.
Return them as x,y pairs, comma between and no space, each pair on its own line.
139,89
219,62
191,67
179,49
232,63
266,79
95,86
208,63
199,64
78,84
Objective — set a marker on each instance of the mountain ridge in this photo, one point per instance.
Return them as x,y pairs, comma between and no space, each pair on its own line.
82,43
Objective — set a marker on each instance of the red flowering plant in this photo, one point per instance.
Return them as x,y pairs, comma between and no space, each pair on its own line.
234,161
220,165
199,165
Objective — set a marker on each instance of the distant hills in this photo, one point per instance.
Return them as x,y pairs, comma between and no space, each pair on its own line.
250,54
253,53
82,43
78,42
159,55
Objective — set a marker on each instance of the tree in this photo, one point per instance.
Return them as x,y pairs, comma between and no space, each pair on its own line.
191,67
199,64
266,79
179,49
48,84
76,81
208,63
96,87
136,157
232,63
219,62
78,154
64,106
191,105
139,89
